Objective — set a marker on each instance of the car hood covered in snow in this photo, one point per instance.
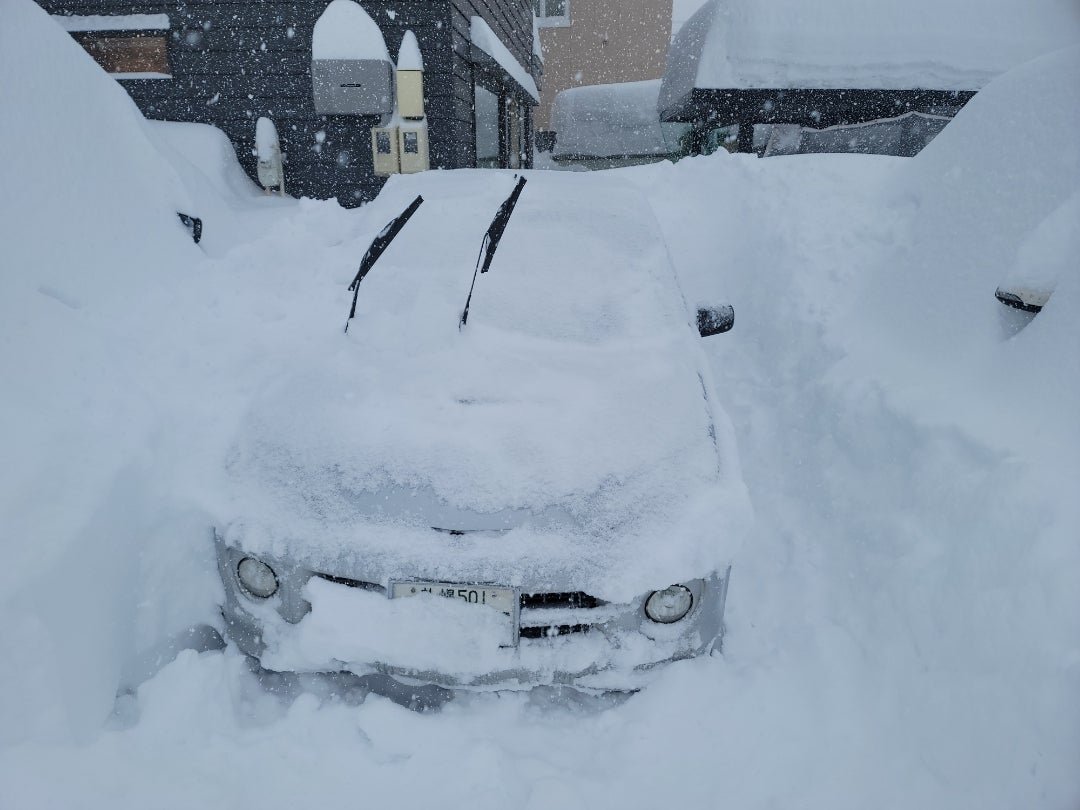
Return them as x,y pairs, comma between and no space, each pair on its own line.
573,413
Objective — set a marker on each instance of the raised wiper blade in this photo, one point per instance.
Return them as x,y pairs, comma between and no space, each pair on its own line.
379,244
491,241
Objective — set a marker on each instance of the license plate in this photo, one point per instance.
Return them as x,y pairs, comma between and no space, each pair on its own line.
503,600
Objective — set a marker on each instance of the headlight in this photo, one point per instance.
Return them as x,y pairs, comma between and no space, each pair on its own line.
669,605
257,577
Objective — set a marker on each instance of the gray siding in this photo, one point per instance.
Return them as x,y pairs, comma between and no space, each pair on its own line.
235,60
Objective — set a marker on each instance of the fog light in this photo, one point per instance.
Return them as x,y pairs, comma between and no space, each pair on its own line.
669,605
257,577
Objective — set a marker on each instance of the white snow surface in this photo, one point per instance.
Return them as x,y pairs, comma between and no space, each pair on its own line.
409,57
346,31
113,22
606,120
681,11
887,44
488,41
231,206
1046,256
903,624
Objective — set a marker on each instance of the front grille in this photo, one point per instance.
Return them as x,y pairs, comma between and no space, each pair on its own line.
574,599
550,615
542,615
352,583
553,631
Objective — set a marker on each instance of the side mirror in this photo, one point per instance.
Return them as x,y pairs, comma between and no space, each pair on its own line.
714,320
193,224
1027,299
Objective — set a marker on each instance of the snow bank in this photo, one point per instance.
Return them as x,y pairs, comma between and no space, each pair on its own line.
486,40
1048,254
110,320
346,31
230,205
609,120
999,177
996,613
94,228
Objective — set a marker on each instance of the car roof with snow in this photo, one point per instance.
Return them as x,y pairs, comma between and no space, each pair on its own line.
578,386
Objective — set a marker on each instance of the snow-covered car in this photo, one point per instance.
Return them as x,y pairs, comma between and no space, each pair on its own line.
546,495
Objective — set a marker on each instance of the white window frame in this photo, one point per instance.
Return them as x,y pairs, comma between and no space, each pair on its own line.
544,21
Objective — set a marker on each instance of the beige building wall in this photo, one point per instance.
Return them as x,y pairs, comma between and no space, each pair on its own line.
607,41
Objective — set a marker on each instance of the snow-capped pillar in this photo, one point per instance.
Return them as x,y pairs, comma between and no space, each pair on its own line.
410,78
413,127
268,150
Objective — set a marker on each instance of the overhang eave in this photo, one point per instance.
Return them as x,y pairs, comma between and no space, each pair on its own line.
809,107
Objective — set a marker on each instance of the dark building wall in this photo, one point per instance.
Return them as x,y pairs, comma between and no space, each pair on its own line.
512,21
233,62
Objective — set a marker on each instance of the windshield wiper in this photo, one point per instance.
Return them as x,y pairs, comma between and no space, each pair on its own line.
379,244
491,241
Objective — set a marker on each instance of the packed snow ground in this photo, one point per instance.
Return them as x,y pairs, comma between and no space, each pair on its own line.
903,622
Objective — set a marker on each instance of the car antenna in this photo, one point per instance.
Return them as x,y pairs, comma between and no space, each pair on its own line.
379,244
491,241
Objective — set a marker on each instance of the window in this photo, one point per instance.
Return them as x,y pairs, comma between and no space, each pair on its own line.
128,54
552,12
486,110
515,130
502,139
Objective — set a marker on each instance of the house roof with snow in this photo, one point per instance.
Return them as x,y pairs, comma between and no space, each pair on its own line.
734,49
681,11
489,43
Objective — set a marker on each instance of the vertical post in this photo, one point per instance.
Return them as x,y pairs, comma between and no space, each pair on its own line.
698,133
745,141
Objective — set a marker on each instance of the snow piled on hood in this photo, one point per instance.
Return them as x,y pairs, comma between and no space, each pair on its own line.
577,385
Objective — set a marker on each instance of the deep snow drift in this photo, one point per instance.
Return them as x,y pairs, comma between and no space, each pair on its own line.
903,622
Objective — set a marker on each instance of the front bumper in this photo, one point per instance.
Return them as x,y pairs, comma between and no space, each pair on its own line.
320,621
